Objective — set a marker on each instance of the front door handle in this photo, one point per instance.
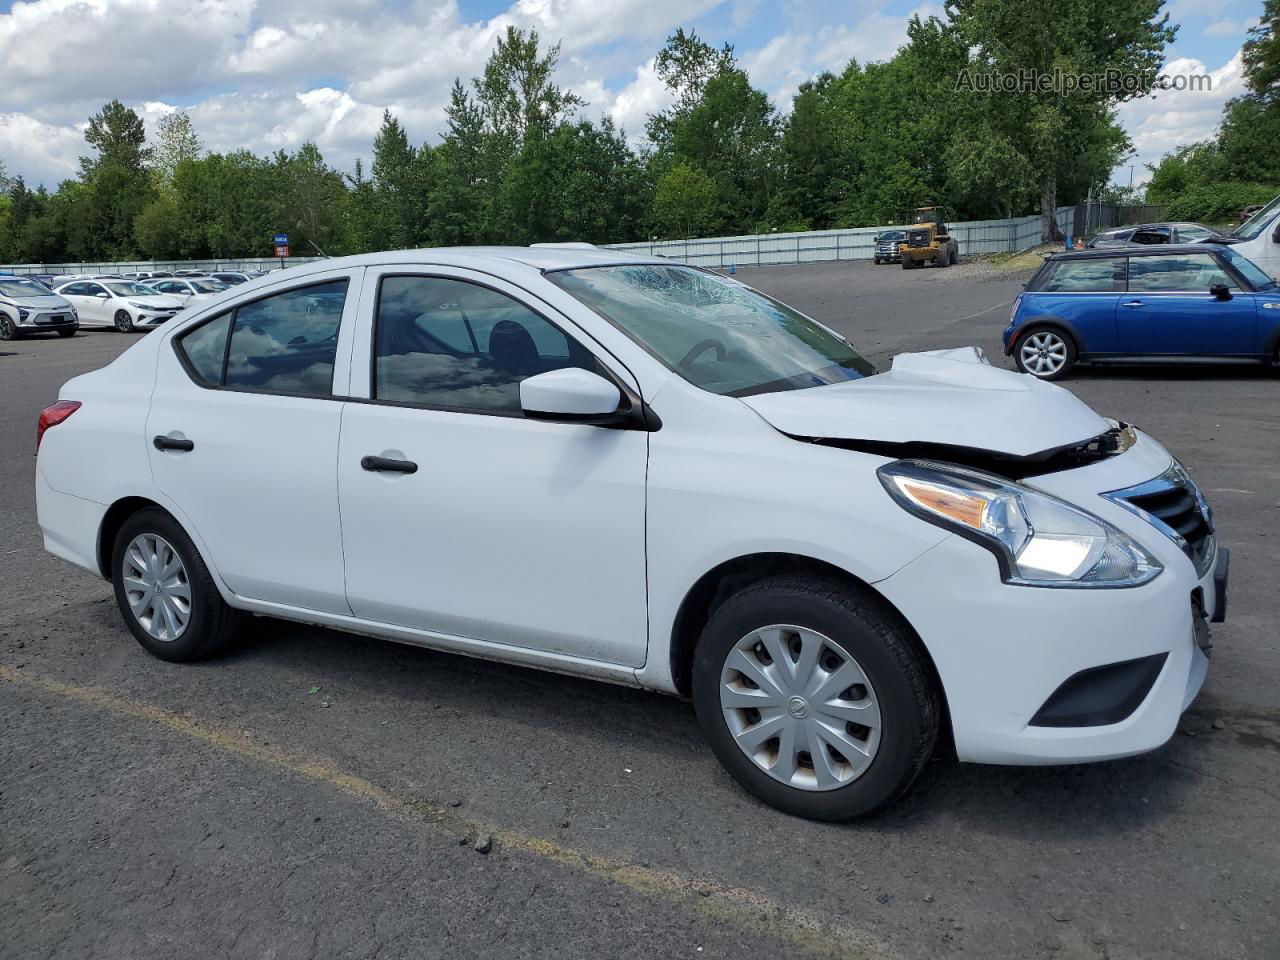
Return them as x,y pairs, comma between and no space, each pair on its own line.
1132,303
387,465
173,443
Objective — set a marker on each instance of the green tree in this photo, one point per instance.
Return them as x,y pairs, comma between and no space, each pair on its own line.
1060,132
119,136
581,182
684,202
1261,54
517,96
460,207
117,184
399,188
176,141
309,201
815,169
685,65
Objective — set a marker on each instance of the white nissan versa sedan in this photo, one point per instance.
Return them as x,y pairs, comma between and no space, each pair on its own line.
646,473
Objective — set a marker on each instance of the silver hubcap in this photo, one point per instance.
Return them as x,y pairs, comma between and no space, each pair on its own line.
156,585
800,707
1043,354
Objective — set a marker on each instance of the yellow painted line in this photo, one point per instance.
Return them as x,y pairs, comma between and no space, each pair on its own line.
748,910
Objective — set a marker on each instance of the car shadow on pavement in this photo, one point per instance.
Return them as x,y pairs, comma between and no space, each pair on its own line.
1174,372
1081,801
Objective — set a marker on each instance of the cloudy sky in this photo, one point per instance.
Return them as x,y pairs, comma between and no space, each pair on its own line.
266,74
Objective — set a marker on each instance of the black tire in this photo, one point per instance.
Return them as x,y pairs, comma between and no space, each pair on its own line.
907,263
877,261
211,623
7,329
1071,353
955,254
124,322
67,333
888,653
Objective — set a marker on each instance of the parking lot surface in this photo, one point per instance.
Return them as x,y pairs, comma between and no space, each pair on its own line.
321,795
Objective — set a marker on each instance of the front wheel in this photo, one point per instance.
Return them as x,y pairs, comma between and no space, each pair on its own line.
7,329
815,697
165,592
907,263
124,322
67,333
1045,353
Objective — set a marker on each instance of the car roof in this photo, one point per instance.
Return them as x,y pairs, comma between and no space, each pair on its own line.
539,257
1136,250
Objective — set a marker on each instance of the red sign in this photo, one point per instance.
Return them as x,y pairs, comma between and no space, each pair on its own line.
282,249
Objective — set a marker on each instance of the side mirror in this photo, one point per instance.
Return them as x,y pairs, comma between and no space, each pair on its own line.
571,395
102,295
1220,291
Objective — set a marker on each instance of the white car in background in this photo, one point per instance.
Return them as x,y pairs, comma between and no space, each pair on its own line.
638,471
189,289
30,307
123,304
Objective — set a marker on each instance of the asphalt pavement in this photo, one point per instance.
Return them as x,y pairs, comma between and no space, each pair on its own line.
316,794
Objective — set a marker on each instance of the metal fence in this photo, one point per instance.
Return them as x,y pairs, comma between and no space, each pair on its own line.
858,243
133,266
811,246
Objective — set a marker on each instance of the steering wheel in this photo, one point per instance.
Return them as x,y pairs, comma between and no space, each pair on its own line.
701,347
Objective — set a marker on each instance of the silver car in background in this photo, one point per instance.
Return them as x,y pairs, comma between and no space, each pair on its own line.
30,307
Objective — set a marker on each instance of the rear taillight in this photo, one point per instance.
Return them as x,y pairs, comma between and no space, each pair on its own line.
53,415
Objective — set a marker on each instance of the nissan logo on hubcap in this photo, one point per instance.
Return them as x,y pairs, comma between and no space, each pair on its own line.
798,707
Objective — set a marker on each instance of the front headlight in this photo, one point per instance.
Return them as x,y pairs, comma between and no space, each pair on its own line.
140,306
1038,539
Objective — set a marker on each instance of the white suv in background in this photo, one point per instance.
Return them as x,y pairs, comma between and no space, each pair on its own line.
653,475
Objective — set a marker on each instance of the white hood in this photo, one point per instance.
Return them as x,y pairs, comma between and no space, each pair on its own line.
158,300
949,397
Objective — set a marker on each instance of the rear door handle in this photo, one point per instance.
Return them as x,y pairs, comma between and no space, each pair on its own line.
387,465
1132,303
173,443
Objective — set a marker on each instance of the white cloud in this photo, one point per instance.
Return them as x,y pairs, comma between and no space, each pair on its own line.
631,105
1160,123
1230,28
29,146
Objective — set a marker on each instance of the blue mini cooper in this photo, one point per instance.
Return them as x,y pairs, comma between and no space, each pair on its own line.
1129,303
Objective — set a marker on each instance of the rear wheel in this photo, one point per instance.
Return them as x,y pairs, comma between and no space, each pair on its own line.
164,590
1045,353
124,322
814,697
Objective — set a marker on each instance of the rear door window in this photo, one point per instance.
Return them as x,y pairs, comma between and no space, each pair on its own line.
286,343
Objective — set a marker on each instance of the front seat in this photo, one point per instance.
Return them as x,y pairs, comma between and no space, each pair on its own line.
512,349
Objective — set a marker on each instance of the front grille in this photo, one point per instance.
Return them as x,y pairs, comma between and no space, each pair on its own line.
918,238
1173,505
